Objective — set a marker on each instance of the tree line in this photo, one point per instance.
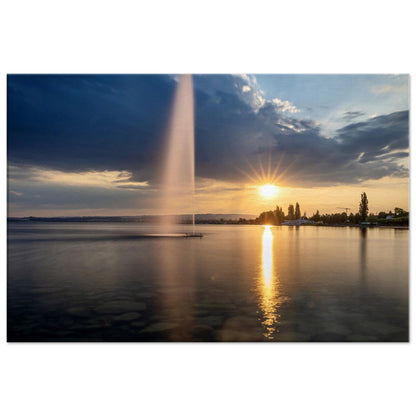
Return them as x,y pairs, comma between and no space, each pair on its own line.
278,216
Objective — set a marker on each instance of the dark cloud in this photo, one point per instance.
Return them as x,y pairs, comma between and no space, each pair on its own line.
376,137
348,116
358,152
76,123
57,196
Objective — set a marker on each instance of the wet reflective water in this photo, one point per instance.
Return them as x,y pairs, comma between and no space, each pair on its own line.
118,282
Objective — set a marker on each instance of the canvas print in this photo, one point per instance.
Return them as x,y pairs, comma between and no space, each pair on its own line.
208,208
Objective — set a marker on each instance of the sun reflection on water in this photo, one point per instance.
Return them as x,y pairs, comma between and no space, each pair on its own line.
268,286
267,256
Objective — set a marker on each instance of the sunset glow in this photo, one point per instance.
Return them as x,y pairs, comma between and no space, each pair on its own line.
268,190
280,140
222,211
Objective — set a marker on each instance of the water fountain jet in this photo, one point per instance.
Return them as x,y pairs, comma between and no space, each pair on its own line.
178,187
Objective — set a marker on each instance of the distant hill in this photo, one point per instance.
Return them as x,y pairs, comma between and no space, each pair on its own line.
224,216
138,218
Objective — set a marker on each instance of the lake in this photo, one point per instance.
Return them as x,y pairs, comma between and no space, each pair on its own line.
122,282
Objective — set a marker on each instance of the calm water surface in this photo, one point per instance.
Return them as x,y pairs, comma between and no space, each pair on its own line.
109,282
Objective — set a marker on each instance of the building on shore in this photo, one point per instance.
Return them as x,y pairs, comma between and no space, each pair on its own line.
299,221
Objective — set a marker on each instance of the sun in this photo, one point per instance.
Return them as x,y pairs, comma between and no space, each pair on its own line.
268,190
263,179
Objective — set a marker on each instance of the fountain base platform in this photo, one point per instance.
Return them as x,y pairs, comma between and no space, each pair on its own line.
175,235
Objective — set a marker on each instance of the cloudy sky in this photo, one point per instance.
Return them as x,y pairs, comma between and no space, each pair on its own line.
95,144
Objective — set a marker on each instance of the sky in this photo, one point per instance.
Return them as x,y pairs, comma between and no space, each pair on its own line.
96,144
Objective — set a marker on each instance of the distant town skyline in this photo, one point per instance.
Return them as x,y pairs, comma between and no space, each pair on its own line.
94,144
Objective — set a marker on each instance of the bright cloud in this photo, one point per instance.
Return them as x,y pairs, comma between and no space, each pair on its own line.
284,106
103,179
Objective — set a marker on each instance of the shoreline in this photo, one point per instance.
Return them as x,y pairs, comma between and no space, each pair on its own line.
229,222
